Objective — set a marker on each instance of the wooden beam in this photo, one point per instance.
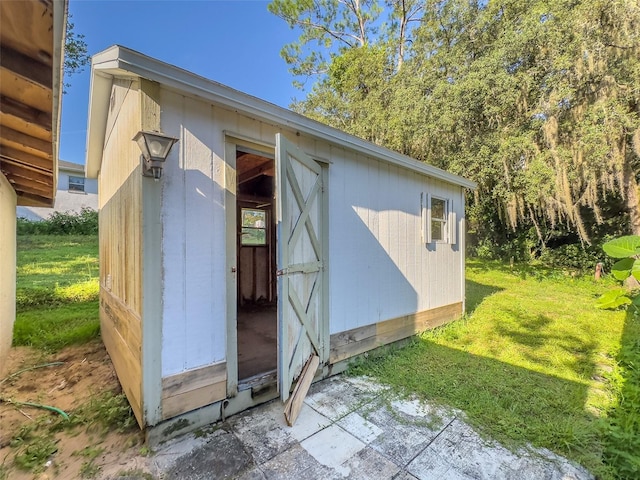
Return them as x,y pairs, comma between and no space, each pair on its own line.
26,185
33,200
25,91
266,168
27,27
31,117
22,171
26,67
26,143
12,155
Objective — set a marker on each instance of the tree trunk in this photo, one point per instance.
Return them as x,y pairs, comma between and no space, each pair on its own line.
632,195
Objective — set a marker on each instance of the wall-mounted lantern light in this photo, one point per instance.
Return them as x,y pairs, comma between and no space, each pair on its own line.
155,147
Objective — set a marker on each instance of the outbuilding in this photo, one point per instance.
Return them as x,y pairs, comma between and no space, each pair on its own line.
266,240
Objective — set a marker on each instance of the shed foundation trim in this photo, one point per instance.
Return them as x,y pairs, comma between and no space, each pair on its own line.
362,339
193,389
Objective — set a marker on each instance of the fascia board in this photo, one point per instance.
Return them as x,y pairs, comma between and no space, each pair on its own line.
60,12
120,61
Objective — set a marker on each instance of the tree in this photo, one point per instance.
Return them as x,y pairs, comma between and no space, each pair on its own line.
75,52
537,101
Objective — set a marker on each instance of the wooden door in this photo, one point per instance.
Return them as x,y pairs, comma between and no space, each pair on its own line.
301,218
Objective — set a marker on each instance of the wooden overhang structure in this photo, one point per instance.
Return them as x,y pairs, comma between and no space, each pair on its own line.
32,36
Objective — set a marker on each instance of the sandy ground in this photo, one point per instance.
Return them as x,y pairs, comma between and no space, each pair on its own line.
85,371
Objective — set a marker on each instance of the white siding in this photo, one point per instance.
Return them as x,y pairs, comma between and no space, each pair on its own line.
379,268
194,310
7,266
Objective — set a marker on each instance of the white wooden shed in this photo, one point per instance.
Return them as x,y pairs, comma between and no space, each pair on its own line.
269,238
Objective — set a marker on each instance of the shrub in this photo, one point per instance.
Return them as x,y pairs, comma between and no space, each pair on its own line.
575,256
84,222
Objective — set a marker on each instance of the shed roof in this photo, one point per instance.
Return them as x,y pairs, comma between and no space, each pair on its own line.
31,53
121,62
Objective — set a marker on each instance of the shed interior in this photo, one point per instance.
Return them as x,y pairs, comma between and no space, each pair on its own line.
257,318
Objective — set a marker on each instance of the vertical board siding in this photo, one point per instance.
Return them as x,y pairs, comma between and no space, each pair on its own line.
120,203
193,240
380,269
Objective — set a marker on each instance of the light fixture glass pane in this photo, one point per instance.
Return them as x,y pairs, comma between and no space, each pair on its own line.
156,148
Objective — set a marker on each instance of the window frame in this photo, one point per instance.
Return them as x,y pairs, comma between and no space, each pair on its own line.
77,181
448,220
444,221
265,229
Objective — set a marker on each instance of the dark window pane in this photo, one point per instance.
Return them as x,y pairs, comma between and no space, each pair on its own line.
437,208
436,230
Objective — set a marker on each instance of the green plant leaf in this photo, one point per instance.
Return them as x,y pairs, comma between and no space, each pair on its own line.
635,270
622,247
622,268
613,299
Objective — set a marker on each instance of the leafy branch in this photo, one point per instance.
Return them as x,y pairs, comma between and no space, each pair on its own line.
626,269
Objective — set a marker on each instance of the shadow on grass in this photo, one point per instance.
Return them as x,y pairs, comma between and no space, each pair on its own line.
508,403
477,292
622,449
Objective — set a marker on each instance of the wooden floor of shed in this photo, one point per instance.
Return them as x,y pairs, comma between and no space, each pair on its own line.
257,340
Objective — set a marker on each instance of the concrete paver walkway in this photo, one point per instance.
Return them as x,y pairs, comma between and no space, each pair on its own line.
352,428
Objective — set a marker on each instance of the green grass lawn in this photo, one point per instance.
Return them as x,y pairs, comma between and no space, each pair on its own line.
57,290
533,361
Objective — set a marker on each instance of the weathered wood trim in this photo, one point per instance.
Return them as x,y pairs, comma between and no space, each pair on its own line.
116,322
152,278
193,389
230,202
359,340
124,319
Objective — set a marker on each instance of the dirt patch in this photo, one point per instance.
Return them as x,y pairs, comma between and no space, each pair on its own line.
85,450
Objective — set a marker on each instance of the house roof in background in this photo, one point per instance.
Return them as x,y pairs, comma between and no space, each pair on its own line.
121,62
31,60
71,167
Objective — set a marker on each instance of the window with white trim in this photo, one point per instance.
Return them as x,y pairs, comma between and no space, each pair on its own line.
438,220
76,184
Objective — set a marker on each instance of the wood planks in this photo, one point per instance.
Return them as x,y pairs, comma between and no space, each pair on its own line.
28,98
193,389
294,404
359,340
122,336
120,253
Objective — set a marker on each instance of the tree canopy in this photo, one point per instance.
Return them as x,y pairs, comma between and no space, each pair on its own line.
536,100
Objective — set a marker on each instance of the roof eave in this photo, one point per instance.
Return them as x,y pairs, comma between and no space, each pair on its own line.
120,61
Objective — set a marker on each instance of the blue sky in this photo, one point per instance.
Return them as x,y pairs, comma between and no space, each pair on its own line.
236,43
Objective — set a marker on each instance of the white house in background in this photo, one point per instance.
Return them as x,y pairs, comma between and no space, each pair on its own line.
74,193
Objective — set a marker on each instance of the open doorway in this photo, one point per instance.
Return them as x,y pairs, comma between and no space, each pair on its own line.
257,319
